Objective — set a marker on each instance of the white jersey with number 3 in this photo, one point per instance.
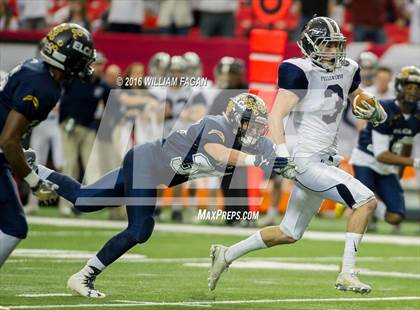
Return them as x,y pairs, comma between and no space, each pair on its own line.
323,96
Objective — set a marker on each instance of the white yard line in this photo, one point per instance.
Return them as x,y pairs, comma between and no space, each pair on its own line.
218,230
44,295
124,303
274,263
82,255
267,264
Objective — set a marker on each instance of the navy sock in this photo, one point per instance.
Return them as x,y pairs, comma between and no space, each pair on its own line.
115,247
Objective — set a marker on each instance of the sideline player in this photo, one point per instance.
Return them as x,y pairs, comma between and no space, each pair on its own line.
384,150
324,72
31,91
204,149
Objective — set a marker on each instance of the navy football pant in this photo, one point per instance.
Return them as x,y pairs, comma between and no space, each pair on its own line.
12,217
387,187
135,183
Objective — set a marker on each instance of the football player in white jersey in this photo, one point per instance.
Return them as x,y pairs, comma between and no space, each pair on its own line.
314,90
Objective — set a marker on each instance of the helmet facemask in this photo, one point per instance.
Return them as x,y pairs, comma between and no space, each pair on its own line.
252,129
248,117
329,60
323,42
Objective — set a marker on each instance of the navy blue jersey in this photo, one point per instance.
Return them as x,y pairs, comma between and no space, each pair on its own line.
30,90
183,151
395,126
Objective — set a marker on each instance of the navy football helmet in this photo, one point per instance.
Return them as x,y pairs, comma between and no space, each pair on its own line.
69,47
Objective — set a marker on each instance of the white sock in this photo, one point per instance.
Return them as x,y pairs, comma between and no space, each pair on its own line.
380,211
44,172
350,251
7,244
95,262
239,249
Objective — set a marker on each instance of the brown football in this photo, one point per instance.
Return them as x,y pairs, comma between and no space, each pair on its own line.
369,98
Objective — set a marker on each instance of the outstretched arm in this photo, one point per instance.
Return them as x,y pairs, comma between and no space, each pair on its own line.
229,156
10,138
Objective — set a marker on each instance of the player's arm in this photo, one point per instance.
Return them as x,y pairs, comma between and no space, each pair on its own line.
293,84
380,143
10,137
406,152
237,158
16,124
284,103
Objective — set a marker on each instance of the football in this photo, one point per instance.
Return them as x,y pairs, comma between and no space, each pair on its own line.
363,96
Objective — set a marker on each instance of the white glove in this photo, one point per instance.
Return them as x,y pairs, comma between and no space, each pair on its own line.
375,114
416,163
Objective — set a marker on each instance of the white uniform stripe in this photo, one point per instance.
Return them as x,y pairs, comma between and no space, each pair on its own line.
330,27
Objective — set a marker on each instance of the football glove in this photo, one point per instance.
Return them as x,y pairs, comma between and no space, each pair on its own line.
375,114
45,190
289,171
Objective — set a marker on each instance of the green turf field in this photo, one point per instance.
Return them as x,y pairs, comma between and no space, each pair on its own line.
170,271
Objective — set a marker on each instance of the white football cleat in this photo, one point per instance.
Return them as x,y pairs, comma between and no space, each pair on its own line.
82,283
218,264
348,281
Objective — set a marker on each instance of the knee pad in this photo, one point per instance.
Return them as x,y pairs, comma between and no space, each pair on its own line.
141,232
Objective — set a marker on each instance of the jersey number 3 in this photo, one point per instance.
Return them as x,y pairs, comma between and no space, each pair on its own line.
334,89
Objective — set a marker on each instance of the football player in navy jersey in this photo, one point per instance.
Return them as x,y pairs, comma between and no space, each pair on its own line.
384,151
29,93
211,147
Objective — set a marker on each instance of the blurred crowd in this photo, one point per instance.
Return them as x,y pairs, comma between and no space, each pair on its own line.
380,21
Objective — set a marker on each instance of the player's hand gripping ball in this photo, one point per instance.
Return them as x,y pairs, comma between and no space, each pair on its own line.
367,107
364,104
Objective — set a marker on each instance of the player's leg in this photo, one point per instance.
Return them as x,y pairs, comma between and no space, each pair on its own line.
303,205
368,177
141,198
390,191
13,226
336,184
88,198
